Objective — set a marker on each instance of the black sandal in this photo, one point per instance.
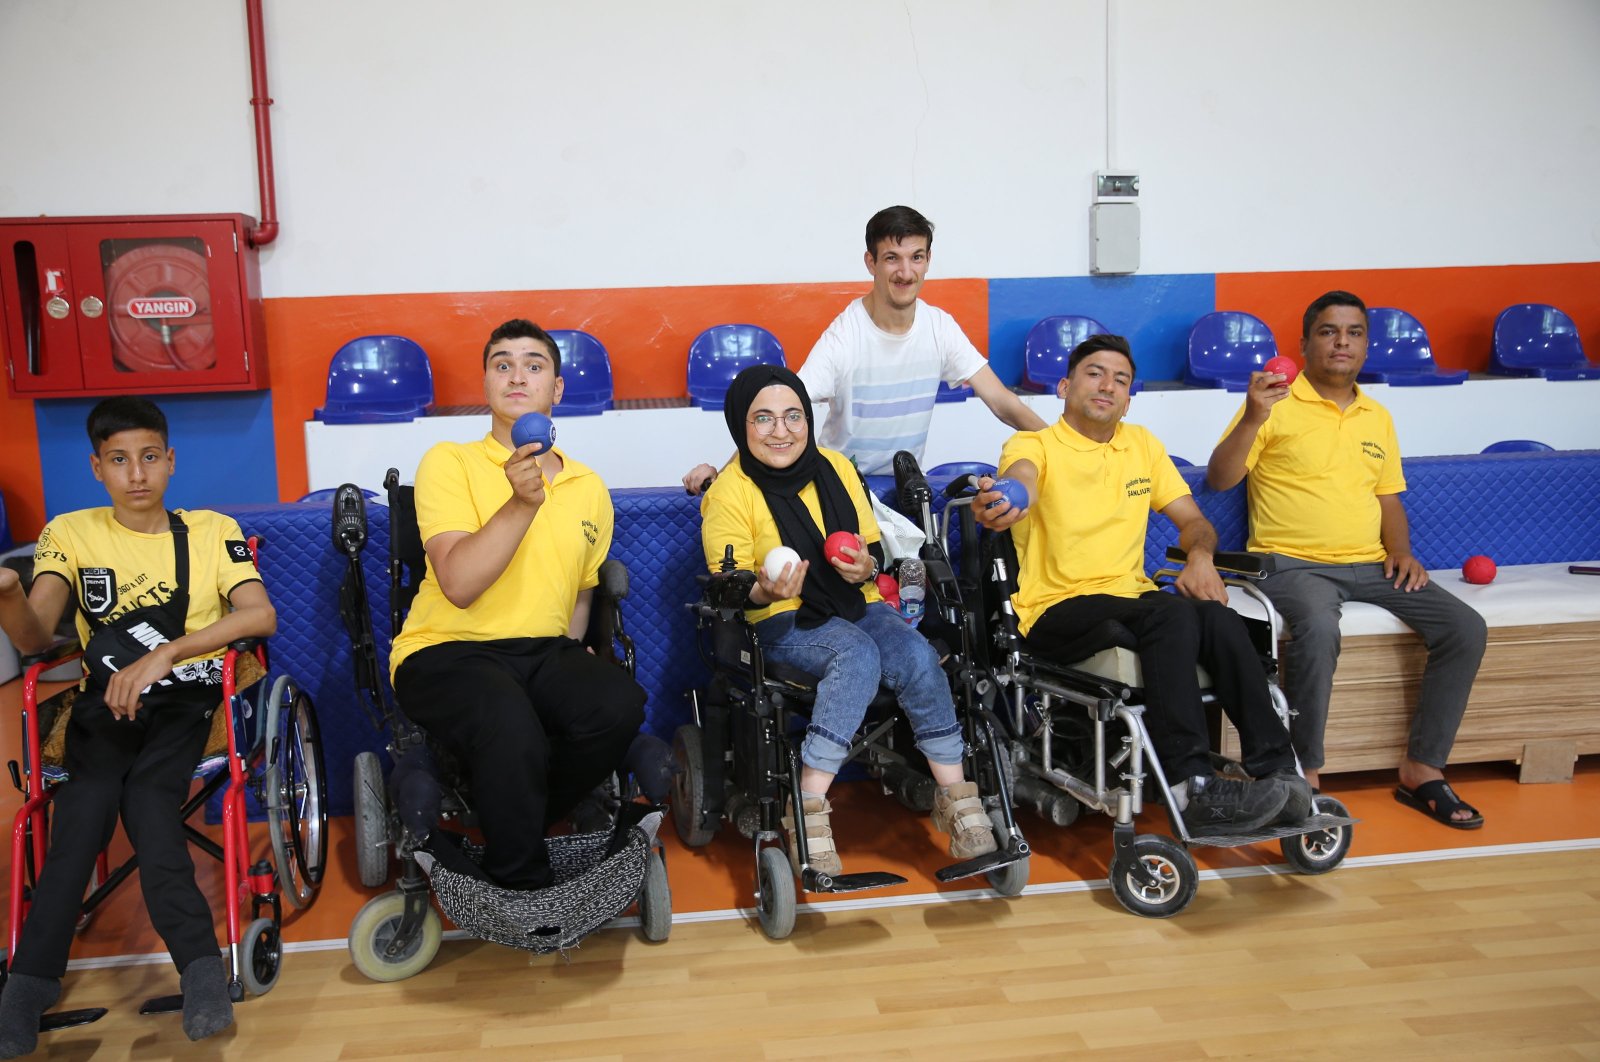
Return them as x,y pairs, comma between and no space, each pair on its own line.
1439,802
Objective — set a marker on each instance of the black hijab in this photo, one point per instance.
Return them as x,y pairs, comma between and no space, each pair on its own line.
825,592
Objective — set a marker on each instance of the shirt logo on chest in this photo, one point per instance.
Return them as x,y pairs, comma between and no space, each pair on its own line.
1373,450
98,588
591,532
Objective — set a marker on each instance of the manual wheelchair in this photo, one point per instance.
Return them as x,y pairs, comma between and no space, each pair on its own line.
738,760
1079,734
615,863
265,744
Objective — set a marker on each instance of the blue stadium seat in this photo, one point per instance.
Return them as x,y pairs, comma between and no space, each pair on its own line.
586,370
961,468
1516,446
377,379
952,394
1533,339
1049,345
1226,347
1181,462
1399,354
326,495
722,352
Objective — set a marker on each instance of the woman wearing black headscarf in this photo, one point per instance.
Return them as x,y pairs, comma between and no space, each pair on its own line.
826,617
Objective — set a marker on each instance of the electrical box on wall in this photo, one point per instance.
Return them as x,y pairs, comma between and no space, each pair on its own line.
1114,223
131,305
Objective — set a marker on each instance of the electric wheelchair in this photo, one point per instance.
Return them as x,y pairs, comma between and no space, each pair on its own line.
265,744
1080,739
614,863
738,761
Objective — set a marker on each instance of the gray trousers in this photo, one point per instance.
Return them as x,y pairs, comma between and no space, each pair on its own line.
1310,595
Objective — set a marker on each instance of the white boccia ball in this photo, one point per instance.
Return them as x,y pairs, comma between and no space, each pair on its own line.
776,559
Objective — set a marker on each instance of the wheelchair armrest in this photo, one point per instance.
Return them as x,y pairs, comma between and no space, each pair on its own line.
57,652
1232,562
245,645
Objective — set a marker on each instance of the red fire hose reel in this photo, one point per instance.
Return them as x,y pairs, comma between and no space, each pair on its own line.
159,307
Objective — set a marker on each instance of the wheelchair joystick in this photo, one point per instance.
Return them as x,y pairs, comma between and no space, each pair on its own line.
349,519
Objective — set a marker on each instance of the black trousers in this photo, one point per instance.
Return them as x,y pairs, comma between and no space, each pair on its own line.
143,768
1174,633
536,722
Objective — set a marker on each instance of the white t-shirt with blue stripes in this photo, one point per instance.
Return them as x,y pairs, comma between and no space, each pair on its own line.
880,387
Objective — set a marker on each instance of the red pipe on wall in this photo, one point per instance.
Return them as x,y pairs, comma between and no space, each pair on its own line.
267,230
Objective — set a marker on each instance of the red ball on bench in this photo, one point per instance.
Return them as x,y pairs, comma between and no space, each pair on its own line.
1478,569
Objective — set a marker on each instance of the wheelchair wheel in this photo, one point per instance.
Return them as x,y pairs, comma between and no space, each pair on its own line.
1174,871
375,926
655,900
1009,880
1319,851
372,822
774,893
260,956
689,786
294,788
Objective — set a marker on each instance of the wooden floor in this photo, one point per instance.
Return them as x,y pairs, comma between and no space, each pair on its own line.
1430,942
1481,958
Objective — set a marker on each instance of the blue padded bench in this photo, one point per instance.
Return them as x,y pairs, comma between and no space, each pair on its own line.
1521,509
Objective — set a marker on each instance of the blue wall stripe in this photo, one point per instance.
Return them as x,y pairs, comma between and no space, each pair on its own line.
1155,312
223,443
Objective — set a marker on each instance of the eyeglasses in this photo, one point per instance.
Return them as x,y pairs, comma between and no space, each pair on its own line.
766,423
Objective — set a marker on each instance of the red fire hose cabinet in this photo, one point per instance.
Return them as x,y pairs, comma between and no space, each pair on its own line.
131,305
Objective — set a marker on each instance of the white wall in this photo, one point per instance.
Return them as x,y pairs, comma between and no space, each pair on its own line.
509,144
1462,419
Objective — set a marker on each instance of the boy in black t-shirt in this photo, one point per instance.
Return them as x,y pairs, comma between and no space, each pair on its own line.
154,590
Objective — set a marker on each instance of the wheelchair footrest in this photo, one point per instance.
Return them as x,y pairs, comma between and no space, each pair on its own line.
871,879
71,1019
162,1005
983,864
1310,824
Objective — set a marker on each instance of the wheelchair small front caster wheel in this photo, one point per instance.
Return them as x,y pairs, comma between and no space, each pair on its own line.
1172,873
1320,851
655,900
775,893
374,929
260,956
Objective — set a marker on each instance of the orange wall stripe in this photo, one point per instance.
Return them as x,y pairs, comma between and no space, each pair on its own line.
1457,305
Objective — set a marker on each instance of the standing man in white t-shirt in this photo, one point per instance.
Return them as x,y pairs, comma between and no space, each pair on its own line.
879,364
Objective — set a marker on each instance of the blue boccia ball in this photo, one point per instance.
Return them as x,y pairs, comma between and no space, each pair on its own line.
1012,491
533,428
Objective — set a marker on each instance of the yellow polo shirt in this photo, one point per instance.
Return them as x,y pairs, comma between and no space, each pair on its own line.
734,512
1085,533
1315,476
459,487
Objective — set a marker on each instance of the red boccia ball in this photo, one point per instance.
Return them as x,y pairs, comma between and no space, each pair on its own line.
1282,364
889,589
1479,569
834,546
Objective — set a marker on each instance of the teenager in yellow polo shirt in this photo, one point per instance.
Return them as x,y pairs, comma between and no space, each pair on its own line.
1325,485
1092,482
489,662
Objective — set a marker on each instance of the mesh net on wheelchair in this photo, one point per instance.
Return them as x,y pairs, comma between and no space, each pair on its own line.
590,889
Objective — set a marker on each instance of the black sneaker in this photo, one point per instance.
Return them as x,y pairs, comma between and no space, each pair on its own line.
1225,805
1299,806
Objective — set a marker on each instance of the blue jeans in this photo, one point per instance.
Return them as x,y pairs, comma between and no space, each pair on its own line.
852,660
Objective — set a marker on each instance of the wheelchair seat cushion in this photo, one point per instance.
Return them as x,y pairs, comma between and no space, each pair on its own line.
1122,666
56,712
590,889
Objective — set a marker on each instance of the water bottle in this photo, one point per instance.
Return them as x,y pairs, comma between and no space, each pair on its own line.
913,588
